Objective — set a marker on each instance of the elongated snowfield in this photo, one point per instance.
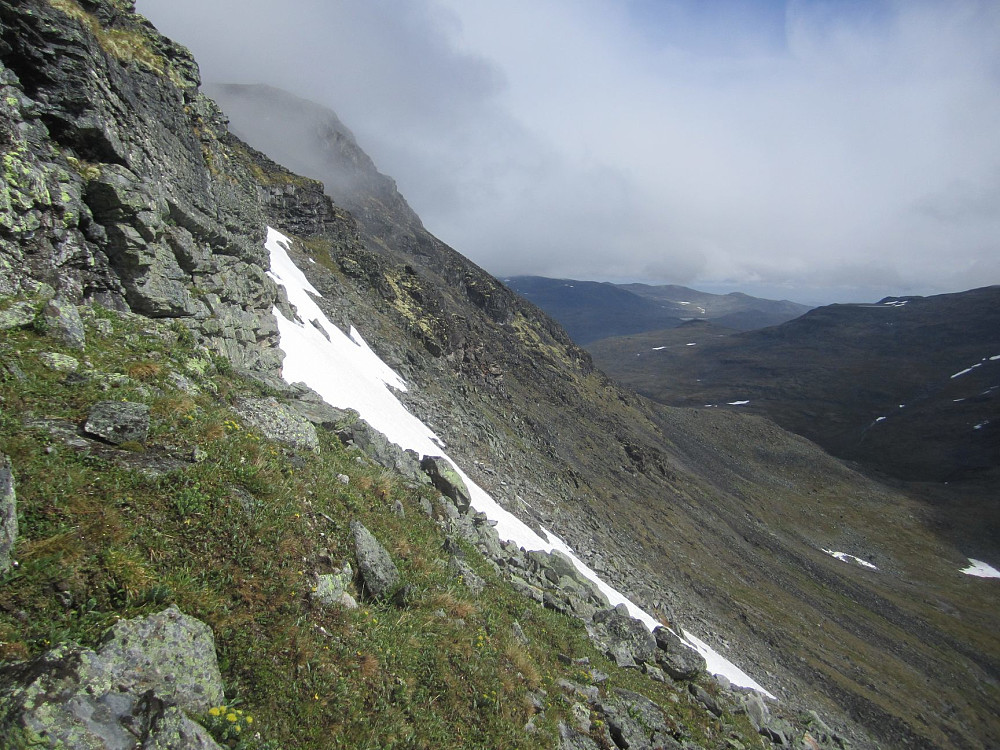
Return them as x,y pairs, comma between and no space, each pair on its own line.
845,557
349,375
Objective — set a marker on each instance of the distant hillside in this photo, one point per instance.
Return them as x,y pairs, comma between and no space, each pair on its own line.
734,310
590,310
907,386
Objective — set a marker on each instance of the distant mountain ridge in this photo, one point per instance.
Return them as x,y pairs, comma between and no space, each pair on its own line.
909,386
591,310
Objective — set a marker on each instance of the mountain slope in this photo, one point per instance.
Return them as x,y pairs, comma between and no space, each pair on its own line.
590,311
716,523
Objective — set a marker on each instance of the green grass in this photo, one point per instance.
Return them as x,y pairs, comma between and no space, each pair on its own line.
238,539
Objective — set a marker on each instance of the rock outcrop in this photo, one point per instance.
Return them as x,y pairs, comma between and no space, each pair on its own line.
123,187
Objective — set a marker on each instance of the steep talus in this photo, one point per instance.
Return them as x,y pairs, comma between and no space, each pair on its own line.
714,521
125,191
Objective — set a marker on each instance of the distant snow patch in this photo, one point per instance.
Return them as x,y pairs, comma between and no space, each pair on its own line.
966,371
658,348
995,357
737,403
980,569
844,557
981,425
895,303
693,343
879,419
683,303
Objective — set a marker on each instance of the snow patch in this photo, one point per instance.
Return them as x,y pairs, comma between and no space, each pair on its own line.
693,343
980,569
879,419
738,403
658,348
981,425
349,375
717,664
966,371
844,557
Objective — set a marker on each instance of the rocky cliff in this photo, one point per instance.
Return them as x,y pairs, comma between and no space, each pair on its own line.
128,205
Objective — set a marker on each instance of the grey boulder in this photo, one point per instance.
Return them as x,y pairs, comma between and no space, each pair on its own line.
447,481
378,572
676,658
118,421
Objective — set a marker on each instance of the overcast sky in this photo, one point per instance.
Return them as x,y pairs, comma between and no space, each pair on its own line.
819,150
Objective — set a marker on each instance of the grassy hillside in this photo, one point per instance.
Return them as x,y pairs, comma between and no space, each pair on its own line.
234,529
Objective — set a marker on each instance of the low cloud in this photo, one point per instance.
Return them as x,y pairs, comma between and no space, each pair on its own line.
838,146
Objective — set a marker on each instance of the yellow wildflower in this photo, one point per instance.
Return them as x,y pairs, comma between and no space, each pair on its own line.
230,717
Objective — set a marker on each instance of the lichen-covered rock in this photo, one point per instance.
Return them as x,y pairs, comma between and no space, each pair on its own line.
59,362
625,639
331,589
118,421
466,575
447,480
8,513
278,422
170,653
676,658
572,739
174,730
18,315
64,323
132,692
378,572
355,431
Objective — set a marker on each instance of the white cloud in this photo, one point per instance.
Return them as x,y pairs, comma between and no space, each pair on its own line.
836,143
